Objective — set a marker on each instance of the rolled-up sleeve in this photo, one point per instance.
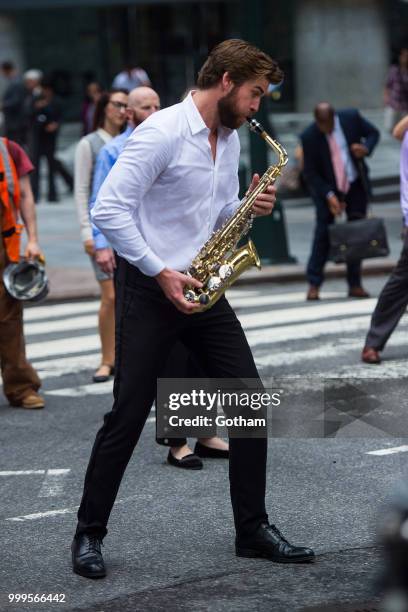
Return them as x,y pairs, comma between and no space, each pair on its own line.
103,165
82,186
146,155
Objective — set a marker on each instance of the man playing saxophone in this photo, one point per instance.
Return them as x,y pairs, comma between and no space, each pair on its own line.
175,181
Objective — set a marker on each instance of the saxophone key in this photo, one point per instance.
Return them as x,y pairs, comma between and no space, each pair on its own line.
190,296
214,283
225,271
204,299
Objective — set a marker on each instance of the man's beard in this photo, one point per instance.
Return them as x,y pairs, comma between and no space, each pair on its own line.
227,111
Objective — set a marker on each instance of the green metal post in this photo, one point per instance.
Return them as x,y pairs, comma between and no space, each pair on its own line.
268,233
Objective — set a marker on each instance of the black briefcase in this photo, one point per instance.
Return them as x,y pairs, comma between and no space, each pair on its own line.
356,240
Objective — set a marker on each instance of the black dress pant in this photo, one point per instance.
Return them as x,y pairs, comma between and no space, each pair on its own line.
392,303
147,327
356,208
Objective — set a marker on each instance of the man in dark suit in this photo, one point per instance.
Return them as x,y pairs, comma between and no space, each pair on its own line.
334,148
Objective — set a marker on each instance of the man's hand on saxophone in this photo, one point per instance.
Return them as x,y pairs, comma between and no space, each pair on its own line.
265,202
172,284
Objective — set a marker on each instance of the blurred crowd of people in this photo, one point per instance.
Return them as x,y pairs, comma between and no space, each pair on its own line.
32,117
33,113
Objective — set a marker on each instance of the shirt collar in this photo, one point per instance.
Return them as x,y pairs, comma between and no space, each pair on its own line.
194,118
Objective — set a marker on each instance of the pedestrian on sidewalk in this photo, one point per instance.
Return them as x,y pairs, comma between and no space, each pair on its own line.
20,380
92,95
15,127
33,91
396,91
110,117
334,148
175,181
130,77
393,300
45,130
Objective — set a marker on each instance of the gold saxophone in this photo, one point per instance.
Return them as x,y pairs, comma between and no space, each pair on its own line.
220,262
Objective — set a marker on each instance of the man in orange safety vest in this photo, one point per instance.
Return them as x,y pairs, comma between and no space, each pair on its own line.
20,380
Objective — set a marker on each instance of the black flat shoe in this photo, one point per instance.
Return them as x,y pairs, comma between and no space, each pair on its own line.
210,453
105,377
189,462
87,558
269,543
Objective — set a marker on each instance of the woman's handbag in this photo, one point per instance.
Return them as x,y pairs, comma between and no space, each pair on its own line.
356,240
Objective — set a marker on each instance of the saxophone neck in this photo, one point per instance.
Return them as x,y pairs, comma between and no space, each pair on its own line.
255,126
279,150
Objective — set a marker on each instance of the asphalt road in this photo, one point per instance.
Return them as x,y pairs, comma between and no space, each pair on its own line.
171,541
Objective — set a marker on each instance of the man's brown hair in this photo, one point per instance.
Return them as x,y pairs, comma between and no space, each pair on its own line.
241,60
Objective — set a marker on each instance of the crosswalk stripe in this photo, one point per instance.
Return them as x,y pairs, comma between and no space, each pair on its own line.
389,451
54,368
61,325
294,315
54,311
273,300
306,331
81,390
64,346
241,292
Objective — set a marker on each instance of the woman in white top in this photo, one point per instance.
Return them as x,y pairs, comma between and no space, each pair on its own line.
109,119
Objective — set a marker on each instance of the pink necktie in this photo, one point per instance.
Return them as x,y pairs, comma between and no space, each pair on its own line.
339,167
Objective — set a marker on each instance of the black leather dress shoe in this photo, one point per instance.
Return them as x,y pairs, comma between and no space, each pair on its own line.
268,542
189,462
87,558
210,453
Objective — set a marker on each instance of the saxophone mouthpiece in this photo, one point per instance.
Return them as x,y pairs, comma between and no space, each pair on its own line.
255,126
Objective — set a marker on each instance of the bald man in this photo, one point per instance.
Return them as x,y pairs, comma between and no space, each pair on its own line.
334,148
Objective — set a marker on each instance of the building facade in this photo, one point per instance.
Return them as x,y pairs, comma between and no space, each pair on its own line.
337,50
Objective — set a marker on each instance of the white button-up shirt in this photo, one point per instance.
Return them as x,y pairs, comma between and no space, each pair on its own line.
165,194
